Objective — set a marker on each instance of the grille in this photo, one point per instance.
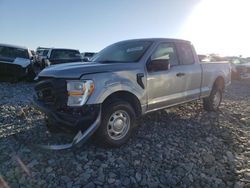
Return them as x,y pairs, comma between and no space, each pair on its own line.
52,92
8,69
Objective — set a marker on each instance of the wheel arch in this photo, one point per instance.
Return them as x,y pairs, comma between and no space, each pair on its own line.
219,82
127,96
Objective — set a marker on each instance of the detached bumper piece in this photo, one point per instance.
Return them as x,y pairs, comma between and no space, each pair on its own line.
71,119
51,99
82,135
79,139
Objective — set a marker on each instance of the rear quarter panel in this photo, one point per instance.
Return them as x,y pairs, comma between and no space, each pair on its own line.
211,71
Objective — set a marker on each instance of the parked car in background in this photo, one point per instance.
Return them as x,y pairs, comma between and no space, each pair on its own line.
124,81
62,55
33,53
41,54
86,56
202,58
41,49
240,68
16,62
34,57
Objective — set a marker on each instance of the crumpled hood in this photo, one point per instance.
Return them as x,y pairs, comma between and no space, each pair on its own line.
76,70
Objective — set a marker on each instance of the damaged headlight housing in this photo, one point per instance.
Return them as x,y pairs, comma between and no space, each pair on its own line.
79,91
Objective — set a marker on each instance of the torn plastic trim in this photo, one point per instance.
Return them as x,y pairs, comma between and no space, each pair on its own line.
79,139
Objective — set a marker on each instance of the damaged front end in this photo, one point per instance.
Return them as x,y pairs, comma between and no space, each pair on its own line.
15,68
54,98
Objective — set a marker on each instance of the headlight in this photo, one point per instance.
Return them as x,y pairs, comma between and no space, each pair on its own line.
79,91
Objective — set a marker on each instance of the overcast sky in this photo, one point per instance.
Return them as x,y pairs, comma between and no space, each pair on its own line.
218,26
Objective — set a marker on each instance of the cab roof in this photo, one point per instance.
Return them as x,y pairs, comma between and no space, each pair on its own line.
160,40
13,46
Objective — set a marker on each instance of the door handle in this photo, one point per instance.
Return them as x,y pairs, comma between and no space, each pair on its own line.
180,74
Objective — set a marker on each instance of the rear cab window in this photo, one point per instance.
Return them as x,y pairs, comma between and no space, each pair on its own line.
185,52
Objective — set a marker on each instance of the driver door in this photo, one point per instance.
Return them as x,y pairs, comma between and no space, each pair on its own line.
164,84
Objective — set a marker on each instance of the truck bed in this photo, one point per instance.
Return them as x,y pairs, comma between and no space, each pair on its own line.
210,71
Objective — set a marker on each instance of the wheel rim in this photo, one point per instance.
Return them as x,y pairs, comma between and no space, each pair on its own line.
118,125
217,99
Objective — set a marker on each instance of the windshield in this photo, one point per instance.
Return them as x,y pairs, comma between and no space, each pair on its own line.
127,51
89,54
45,52
65,54
11,52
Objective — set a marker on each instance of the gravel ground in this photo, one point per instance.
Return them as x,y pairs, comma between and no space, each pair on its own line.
179,147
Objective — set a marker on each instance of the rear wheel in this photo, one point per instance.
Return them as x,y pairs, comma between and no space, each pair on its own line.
213,102
118,123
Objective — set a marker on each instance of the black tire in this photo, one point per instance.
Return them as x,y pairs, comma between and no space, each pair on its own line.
213,102
118,112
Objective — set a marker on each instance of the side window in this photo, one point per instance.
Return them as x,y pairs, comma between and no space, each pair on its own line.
162,57
185,54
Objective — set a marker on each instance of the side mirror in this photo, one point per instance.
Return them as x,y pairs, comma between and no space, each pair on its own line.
158,65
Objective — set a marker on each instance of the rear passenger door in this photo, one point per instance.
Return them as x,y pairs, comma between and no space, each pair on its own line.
190,71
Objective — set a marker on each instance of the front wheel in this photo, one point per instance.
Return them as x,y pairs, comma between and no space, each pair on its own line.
118,122
213,102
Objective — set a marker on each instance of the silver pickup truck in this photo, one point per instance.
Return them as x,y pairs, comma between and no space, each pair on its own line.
124,81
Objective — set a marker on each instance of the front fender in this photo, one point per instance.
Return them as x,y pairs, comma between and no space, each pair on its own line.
116,87
107,83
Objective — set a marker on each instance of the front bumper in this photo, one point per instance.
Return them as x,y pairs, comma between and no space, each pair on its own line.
13,70
84,126
64,120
